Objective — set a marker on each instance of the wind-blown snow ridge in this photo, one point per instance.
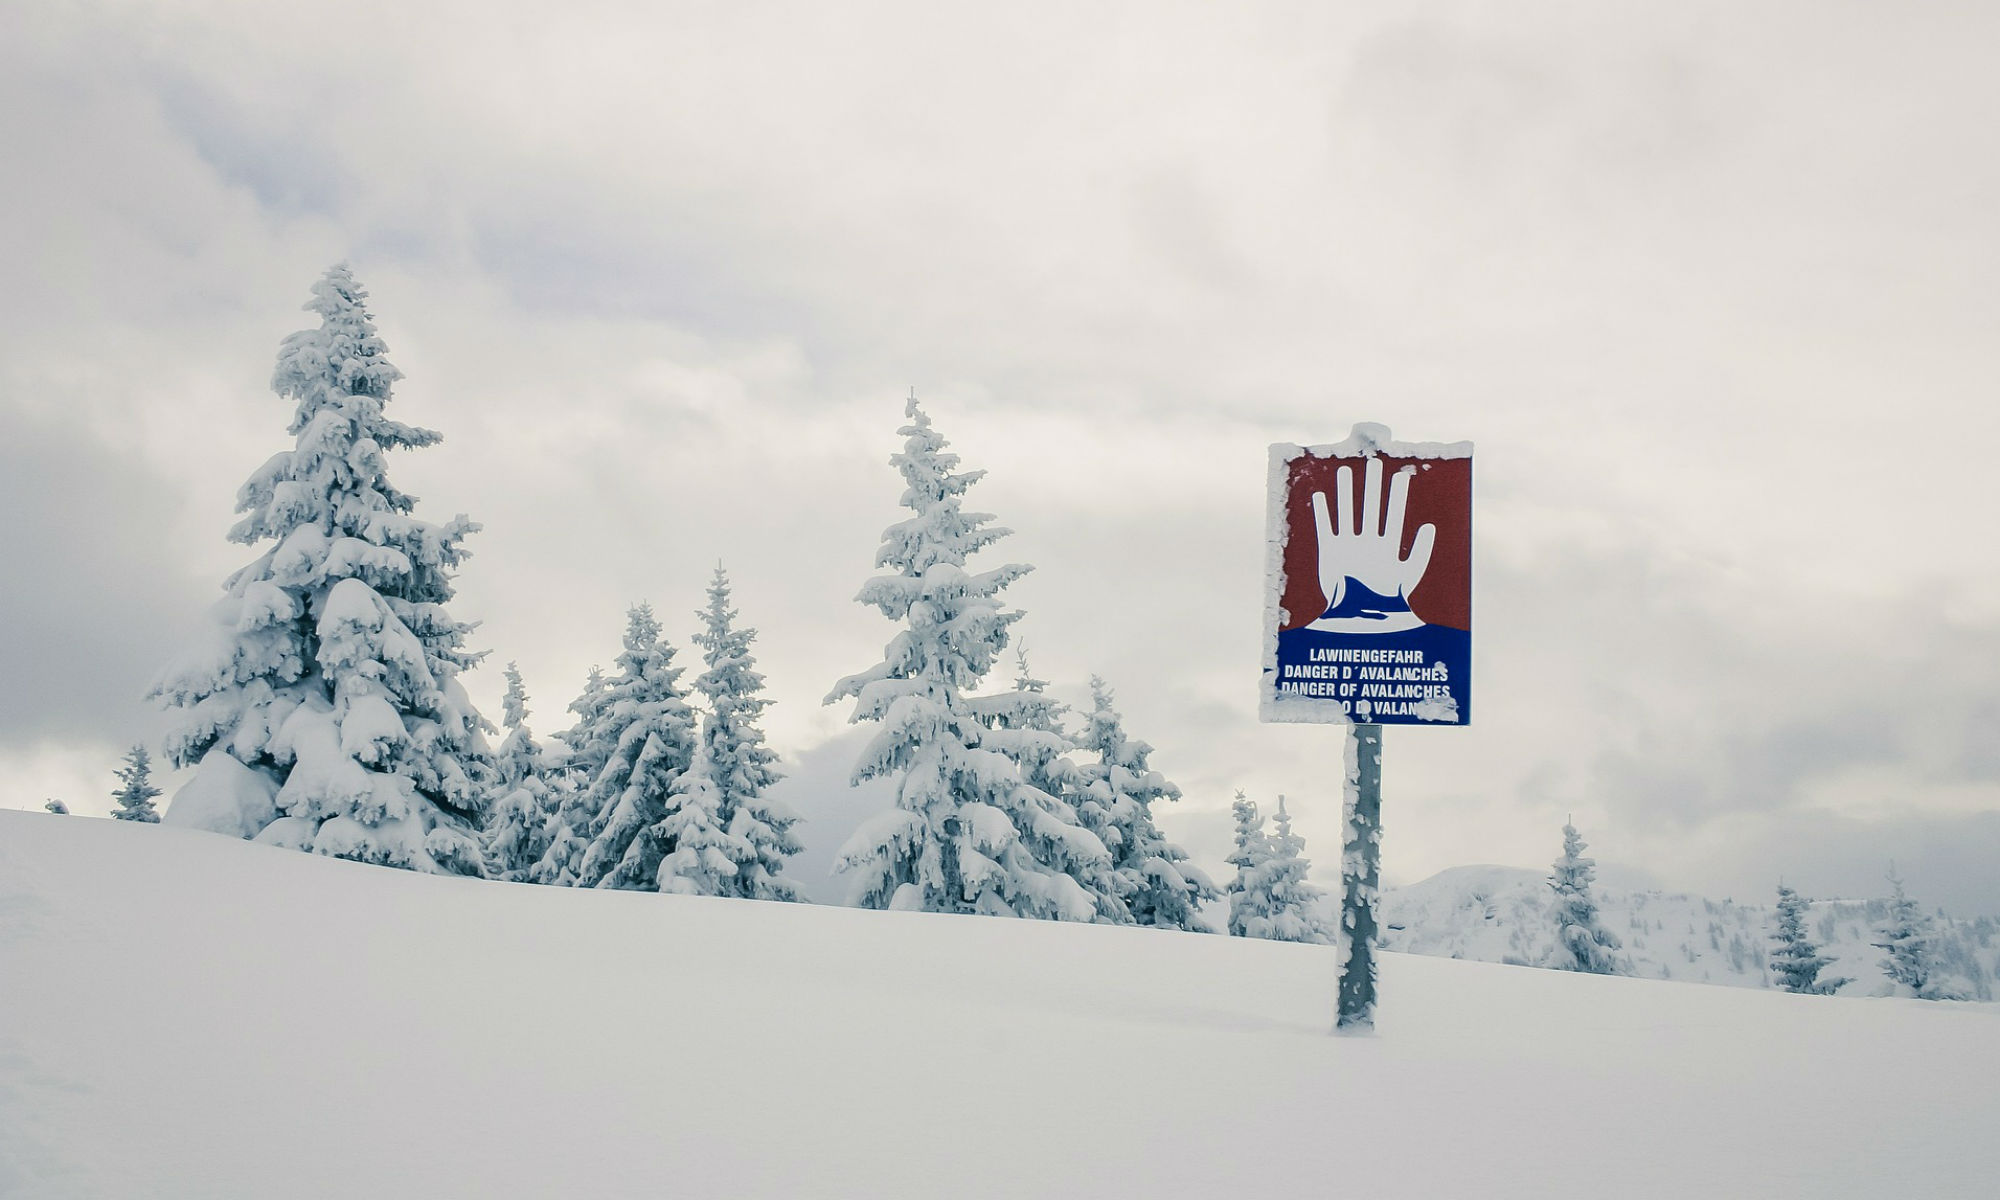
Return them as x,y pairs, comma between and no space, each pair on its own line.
193,1016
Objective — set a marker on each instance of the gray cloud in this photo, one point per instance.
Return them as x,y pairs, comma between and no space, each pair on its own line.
286,172
97,587
1946,859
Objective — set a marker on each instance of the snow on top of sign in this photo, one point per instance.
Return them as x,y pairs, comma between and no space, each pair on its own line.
1369,438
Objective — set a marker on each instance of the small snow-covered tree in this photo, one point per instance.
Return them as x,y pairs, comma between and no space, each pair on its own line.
136,791
1154,878
1026,725
1909,942
705,858
1251,858
1295,903
566,833
587,748
729,837
324,708
519,823
1795,960
1043,752
1269,897
1582,943
646,733
962,836
56,806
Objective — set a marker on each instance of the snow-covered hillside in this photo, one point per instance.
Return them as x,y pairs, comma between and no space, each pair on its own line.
185,1015
1501,915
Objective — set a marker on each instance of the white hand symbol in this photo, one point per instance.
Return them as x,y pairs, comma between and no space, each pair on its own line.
1369,552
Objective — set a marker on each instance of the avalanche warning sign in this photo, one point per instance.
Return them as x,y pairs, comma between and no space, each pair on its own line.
1368,610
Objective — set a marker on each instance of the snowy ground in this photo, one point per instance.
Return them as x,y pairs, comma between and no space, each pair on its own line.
188,1016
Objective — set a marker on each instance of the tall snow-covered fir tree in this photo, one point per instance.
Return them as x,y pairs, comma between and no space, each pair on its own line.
519,821
729,837
1270,897
645,735
324,709
135,789
1582,942
1116,794
1795,961
963,834
1909,945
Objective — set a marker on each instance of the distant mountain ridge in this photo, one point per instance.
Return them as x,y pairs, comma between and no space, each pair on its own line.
1501,914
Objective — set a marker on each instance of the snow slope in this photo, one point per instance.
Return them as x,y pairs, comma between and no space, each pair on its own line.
1501,914
184,1015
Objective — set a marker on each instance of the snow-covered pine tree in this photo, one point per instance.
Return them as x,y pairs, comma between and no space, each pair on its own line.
963,834
518,824
587,751
704,858
1269,897
56,806
1116,793
136,791
1908,942
1247,892
324,710
720,812
1795,961
1026,725
1295,902
646,733
1582,944
566,834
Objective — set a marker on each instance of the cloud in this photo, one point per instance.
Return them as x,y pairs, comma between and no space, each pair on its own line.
1945,858
97,587
1701,283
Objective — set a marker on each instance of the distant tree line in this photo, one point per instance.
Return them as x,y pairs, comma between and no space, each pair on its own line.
1911,959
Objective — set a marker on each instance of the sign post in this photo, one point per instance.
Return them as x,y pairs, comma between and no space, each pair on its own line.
1360,881
1368,622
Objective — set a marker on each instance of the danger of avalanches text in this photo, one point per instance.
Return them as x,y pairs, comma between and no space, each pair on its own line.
1392,681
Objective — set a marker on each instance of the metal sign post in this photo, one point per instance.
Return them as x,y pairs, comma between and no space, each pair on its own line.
1360,879
1367,622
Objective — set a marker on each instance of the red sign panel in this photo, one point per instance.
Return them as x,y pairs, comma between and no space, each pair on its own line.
1368,616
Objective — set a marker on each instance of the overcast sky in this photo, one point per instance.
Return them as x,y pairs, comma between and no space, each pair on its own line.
1712,287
